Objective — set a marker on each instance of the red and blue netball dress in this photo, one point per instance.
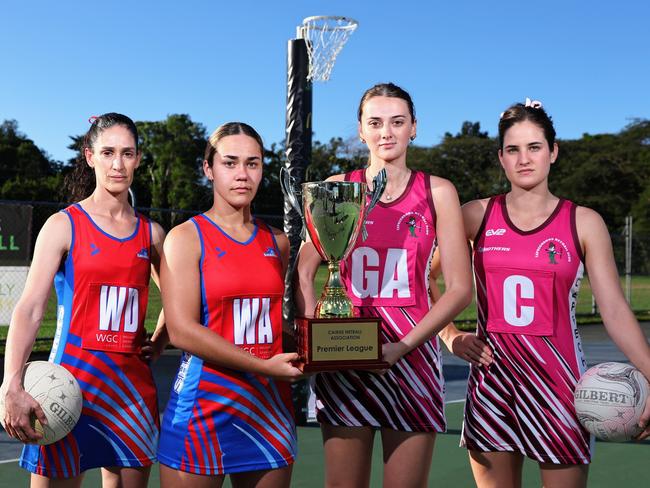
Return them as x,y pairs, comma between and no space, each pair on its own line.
219,420
387,276
527,287
102,290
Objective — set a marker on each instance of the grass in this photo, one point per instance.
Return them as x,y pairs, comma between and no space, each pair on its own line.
640,298
614,464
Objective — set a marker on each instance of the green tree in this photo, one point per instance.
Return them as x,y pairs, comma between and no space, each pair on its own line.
171,175
606,172
336,156
26,172
468,159
269,199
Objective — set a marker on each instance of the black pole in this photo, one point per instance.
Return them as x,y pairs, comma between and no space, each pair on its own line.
298,152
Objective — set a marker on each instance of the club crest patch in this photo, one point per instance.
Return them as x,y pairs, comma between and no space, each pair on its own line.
554,250
270,252
415,224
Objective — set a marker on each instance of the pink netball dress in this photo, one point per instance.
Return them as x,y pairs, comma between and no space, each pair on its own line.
527,287
102,290
387,276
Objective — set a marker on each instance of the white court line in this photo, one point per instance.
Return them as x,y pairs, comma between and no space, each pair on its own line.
462,400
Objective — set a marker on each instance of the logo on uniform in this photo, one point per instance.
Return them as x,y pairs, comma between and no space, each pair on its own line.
93,249
415,224
270,253
143,253
493,249
554,250
220,252
494,232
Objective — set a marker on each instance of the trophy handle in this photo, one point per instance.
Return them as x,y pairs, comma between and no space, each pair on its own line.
378,186
293,194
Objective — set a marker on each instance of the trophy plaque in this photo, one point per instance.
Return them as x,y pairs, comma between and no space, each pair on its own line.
334,213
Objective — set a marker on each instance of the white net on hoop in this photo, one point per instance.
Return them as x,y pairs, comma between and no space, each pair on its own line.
325,38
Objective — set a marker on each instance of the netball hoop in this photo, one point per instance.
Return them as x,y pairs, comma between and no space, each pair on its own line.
310,57
325,36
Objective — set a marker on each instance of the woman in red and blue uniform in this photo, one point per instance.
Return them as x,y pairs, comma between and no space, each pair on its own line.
100,254
223,282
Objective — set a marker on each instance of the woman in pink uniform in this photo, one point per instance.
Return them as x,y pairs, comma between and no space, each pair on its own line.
530,249
387,276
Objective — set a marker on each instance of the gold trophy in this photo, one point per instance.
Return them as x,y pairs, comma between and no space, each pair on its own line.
334,213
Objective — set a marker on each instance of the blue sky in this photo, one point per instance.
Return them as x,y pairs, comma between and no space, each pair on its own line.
588,61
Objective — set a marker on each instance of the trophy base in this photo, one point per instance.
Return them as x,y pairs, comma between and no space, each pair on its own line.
333,344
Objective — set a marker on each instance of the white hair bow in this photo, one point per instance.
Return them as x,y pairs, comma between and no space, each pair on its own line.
533,103
528,103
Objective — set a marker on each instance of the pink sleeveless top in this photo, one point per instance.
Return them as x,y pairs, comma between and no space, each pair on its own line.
527,281
387,276
527,287
391,267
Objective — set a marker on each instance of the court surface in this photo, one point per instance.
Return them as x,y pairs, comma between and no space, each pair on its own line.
614,464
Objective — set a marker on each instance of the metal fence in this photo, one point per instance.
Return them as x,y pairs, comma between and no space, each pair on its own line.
631,250
20,223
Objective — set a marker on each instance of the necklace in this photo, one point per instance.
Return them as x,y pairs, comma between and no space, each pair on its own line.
389,196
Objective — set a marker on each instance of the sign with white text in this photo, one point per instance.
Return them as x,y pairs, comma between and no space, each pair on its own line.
12,282
15,233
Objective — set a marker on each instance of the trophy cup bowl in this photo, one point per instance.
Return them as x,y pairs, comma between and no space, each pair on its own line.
334,213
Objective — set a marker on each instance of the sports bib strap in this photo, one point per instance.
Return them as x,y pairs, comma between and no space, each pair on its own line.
114,318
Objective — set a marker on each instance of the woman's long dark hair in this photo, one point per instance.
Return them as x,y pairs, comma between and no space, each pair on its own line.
80,182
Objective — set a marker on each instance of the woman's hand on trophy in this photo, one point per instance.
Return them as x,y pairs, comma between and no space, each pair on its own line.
391,352
471,349
281,367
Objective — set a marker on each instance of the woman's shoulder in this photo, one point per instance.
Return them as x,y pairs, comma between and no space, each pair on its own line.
339,177
183,239
280,237
274,230
441,188
183,232
587,218
473,215
157,231
438,181
586,212
476,206
58,223
264,226
57,233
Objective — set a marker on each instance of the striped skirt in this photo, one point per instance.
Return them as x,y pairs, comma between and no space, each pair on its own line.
408,397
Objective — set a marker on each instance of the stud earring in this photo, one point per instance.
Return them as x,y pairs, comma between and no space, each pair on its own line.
362,140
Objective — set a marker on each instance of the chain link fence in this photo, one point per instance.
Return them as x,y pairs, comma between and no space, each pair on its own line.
18,236
20,223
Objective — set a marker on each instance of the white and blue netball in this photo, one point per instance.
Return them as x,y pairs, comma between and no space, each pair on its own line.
609,400
59,395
